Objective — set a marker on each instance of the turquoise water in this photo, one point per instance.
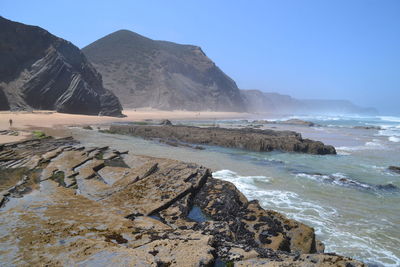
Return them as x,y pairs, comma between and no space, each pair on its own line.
351,199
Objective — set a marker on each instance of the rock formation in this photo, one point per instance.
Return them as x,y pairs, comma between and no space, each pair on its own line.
247,138
41,71
289,122
164,75
370,127
256,101
63,204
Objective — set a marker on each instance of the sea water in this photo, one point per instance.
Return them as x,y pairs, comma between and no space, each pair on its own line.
351,199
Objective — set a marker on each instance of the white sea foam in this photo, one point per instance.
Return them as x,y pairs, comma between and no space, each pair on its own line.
244,183
390,118
389,131
274,199
333,231
336,179
375,144
394,139
348,148
343,153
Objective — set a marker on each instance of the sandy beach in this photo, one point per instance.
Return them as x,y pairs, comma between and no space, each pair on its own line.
25,122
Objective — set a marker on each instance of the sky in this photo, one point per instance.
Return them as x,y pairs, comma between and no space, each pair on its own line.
330,49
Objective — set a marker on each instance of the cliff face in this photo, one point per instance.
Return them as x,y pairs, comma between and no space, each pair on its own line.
256,101
147,73
41,71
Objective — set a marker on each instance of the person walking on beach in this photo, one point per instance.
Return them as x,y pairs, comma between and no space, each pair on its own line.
10,121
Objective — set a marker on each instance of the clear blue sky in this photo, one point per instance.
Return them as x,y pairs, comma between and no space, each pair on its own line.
338,49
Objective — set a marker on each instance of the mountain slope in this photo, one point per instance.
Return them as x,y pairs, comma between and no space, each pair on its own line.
147,73
41,71
258,101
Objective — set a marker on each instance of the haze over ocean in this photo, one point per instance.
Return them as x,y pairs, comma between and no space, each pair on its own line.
308,49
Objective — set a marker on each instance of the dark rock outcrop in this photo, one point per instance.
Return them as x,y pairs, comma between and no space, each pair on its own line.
98,206
164,75
298,122
249,139
41,71
165,122
368,127
339,180
289,122
394,169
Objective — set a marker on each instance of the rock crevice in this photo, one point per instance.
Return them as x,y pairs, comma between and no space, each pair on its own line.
137,210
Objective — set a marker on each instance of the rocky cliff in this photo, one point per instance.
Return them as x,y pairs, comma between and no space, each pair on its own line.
164,75
63,204
256,101
41,71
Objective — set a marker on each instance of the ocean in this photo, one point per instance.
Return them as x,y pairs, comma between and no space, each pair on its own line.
351,199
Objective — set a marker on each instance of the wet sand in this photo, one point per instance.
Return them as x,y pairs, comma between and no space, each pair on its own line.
25,122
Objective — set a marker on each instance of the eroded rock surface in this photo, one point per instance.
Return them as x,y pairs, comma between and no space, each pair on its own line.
63,204
41,71
249,139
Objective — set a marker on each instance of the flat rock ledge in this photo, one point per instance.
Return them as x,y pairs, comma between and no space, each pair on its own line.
249,139
63,204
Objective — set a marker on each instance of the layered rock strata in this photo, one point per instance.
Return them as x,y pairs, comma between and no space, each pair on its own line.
64,204
41,71
249,139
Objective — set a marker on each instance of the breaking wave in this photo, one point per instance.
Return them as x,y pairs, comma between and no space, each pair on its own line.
332,230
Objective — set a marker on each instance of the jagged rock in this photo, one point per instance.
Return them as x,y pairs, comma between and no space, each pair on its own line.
250,224
97,206
164,75
41,71
249,139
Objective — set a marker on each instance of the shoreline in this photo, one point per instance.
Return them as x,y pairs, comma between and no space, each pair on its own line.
92,138
193,214
24,121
